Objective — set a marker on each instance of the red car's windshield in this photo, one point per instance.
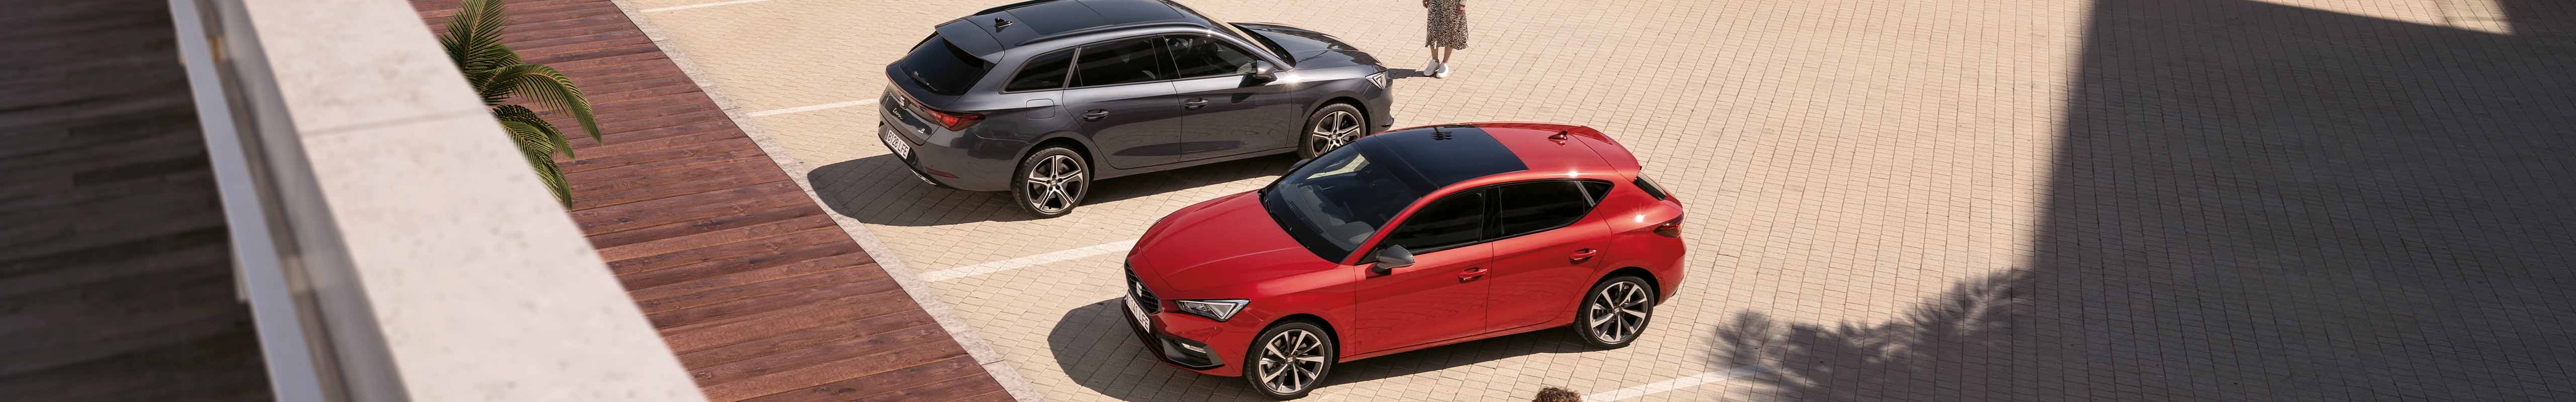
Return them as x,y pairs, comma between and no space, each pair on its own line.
1343,198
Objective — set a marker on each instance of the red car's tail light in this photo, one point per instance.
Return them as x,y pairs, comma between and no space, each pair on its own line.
1670,229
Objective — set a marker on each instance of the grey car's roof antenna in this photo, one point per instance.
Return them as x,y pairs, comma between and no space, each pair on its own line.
998,24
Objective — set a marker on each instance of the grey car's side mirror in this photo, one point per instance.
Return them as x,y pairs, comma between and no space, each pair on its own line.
1262,72
1389,259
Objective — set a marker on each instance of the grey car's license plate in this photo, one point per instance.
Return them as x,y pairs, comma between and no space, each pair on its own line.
894,141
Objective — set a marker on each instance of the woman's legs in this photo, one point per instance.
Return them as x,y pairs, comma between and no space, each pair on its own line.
1445,54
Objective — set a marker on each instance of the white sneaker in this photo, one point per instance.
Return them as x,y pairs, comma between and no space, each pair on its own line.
1441,72
1431,67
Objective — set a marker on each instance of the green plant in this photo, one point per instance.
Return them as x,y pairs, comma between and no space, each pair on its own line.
473,40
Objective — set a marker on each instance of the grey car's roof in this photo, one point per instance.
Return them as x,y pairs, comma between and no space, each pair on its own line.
994,30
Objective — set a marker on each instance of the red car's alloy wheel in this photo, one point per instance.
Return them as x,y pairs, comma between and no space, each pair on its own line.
1615,315
1290,359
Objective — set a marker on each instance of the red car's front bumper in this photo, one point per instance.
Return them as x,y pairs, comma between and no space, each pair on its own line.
1172,334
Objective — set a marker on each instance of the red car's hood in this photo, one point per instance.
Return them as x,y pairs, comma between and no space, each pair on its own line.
1218,242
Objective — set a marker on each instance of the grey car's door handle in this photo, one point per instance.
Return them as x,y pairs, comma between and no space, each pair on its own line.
1194,104
1095,114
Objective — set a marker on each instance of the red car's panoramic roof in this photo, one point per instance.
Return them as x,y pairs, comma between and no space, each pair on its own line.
1442,155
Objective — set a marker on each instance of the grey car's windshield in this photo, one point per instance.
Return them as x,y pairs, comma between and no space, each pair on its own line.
1238,33
1333,203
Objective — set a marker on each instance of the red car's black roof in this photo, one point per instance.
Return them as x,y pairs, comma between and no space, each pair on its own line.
1442,155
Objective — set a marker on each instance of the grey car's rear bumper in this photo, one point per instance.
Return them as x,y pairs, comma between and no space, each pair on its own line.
955,165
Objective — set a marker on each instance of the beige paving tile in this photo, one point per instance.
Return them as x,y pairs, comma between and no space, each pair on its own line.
2023,199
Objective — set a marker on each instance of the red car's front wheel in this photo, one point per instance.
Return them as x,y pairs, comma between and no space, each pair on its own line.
1288,360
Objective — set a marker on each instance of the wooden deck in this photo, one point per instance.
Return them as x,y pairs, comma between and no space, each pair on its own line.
758,292
116,280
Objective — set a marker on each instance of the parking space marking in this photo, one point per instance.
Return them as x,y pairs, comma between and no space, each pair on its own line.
834,104
1027,262
1672,384
702,5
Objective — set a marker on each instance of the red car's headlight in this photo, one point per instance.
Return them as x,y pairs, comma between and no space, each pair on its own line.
1219,310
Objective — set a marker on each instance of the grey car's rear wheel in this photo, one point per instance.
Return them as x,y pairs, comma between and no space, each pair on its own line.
1051,181
1331,128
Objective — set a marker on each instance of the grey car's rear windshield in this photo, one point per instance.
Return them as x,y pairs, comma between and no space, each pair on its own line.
941,68
1341,199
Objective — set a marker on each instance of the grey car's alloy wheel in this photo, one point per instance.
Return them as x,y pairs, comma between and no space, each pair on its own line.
1051,181
1331,128
1289,359
1615,311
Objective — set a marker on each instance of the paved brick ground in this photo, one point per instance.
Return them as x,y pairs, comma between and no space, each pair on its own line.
2024,199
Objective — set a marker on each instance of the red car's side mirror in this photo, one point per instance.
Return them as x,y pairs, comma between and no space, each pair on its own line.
1387,260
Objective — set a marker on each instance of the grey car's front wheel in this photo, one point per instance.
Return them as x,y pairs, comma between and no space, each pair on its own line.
1331,128
1051,181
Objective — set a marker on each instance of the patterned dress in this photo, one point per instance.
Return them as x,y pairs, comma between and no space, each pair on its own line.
1448,25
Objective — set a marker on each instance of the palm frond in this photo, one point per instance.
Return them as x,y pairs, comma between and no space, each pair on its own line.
473,38
533,138
492,86
554,136
473,42
549,89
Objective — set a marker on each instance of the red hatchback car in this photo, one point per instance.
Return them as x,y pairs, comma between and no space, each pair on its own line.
1407,240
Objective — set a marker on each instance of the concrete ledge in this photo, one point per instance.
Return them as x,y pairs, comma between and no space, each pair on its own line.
437,265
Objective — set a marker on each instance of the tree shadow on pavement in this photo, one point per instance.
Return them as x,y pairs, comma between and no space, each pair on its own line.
1095,346
2261,201
1813,362
878,190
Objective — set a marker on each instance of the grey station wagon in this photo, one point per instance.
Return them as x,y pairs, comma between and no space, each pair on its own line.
1041,98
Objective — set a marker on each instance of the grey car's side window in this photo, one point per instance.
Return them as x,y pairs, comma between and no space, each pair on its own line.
1196,56
1045,72
1120,62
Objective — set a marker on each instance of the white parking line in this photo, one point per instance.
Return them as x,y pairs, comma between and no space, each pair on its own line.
1672,384
720,3
1026,262
834,104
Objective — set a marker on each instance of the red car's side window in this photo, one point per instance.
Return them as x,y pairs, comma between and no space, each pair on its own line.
1453,220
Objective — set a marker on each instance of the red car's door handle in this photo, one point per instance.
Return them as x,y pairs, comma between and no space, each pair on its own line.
1471,275
1583,254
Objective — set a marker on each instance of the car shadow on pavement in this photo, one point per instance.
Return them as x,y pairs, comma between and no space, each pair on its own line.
2261,201
1095,346
878,190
